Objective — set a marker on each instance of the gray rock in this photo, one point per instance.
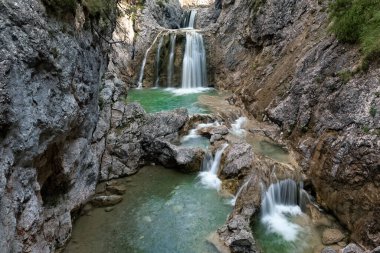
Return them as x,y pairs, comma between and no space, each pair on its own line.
328,250
239,157
50,72
116,189
352,248
101,201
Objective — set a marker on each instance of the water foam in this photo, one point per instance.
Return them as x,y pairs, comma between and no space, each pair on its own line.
186,91
237,127
209,177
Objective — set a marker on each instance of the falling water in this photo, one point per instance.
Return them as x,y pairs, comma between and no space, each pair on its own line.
194,73
210,166
192,18
141,76
281,201
171,59
189,20
233,200
158,58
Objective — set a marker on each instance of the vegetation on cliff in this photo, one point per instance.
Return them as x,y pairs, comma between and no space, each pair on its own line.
357,21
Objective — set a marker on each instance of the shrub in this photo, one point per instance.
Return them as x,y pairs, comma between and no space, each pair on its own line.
357,21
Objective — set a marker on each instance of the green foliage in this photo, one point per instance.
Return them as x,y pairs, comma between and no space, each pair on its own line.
366,129
345,75
357,21
372,111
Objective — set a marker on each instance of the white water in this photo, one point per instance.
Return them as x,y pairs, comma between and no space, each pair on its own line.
171,59
194,74
193,13
237,127
209,177
141,76
279,204
158,58
180,92
193,133
233,200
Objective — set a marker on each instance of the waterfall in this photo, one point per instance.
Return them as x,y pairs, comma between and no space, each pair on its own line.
210,166
158,58
189,19
192,19
171,59
194,74
281,201
233,200
141,76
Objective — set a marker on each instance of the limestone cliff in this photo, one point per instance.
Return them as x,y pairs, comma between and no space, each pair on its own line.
51,64
284,66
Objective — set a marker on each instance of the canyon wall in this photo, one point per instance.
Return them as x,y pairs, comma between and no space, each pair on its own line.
284,66
51,64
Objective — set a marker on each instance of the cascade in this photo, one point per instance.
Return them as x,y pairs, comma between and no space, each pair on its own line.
171,59
189,19
194,74
141,76
158,57
233,200
281,201
210,166
194,70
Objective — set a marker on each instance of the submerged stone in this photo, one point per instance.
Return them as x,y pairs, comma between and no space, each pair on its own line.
101,201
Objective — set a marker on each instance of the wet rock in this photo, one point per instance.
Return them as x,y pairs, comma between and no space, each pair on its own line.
331,236
131,143
237,235
215,137
328,250
171,156
109,209
352,248
102,201
116,189
239,157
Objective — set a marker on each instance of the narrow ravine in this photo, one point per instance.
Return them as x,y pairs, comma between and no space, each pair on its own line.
167,211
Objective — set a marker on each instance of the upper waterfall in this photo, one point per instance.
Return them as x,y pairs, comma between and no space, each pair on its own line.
194,73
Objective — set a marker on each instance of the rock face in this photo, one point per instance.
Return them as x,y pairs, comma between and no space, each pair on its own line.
283,65
136,138
138,25
50,70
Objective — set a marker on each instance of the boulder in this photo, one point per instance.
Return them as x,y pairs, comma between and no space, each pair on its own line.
331,236
238,157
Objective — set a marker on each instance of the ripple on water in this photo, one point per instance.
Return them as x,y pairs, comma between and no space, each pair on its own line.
165,99
162,211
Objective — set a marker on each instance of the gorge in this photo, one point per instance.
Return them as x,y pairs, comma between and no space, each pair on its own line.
186,126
